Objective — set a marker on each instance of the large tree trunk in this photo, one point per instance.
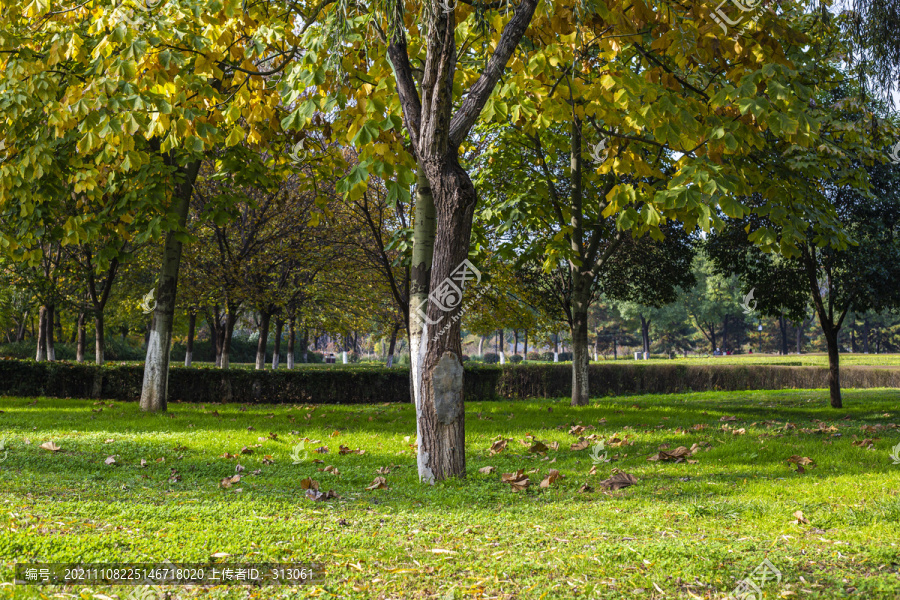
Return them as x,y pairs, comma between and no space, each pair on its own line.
439,409
525,350
156,366
41,354
393,346
276,355
264,318
481,345
99,338
501,335
189,347
79,344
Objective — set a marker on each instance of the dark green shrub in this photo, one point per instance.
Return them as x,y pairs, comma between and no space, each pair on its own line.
515,359
537,356
547,356
358,384
491,358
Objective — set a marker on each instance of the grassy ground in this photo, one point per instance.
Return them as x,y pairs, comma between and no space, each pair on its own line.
686,530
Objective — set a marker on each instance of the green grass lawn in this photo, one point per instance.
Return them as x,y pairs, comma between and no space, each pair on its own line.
684,530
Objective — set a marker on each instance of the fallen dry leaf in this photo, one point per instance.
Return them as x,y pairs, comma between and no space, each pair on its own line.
317,496
678,455
593,470
498,446
538,447
580,445
619,480
321,450
51,447
486,470
110,461
728,418
238,468
377,484
309,484
518,481
383,470
229,481
246,450
552,478
800,519
585,489
576,430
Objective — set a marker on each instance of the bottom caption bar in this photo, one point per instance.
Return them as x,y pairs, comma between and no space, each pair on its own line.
167,573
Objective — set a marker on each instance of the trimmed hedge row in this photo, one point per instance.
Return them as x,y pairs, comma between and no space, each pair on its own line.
363,385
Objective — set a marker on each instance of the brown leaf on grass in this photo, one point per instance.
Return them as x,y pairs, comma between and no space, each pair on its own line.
335,433
174,476
800,461
498,446
143,463
740,431
238,468
109,441
267,460
593,470
800,519
377,484
585,489
51,447
345,450
619,480
553,446
486,470
229,481
678,455
246,450
552,478
228,455
580,445
538,447
251,428
317,496
110,461
576,430
383,470
866,443
698,427
309,484
331,469
273,435
518,481
615,442
321,450
728,418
